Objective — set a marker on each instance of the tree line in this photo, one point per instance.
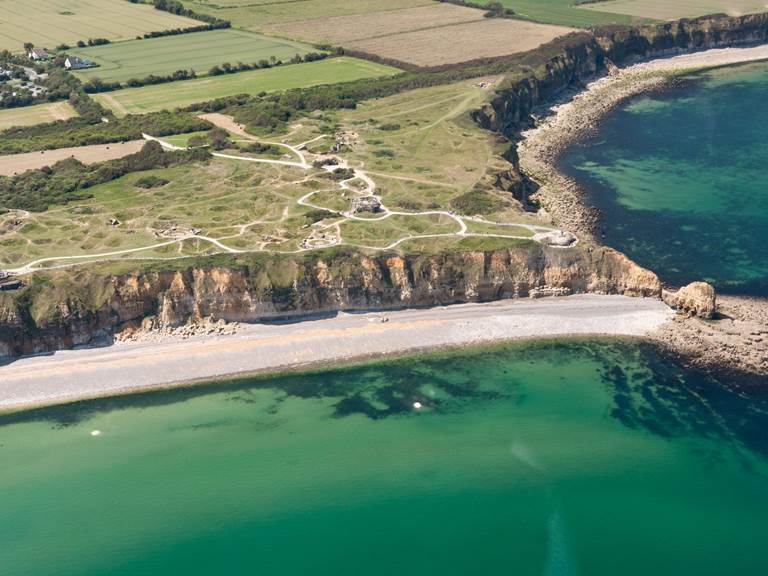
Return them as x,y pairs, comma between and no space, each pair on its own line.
97,85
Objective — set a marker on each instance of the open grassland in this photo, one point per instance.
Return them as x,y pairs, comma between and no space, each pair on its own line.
563,12
17,163
199,51
487,38
421,147
340,30
665,10
211,197
418,152
184,93
30,115
262,16
52,22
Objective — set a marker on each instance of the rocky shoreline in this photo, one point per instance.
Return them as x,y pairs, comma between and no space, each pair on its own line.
735,340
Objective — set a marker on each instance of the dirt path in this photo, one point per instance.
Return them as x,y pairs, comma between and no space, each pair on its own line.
540,233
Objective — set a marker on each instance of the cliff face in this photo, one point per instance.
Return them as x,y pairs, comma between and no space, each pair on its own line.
548,70
279,288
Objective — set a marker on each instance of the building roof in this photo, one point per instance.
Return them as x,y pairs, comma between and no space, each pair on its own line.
39,53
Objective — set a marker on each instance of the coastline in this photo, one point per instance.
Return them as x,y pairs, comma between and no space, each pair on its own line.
577,115
737,340
263,348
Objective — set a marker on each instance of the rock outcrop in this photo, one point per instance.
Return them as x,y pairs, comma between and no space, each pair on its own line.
49,315
695,299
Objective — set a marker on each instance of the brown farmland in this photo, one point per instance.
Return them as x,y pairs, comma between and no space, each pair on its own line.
341,30
487,38
18,163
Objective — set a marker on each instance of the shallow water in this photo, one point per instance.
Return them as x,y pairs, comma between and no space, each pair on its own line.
551,458
682,179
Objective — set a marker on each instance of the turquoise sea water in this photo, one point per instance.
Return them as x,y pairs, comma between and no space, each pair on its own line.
583,457
682,179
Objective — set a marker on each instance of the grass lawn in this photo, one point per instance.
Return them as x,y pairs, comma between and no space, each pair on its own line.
29,115
198,51
562,12
179,94
48,23
665,10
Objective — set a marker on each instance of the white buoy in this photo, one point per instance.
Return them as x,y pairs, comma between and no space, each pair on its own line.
95,432
417,405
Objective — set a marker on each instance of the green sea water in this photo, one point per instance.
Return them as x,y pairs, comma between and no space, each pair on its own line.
682,179
588,457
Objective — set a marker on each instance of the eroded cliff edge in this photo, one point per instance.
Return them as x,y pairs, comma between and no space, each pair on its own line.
543,74
61,309
71,308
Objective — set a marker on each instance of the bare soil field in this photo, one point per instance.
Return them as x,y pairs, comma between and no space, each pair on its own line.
343,29
18,163
666,10
47,23
263,15
487,38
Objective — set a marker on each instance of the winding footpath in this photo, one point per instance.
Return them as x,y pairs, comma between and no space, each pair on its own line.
554,237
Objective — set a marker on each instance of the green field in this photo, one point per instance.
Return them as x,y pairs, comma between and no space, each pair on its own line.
665,10
30,115
48,23
562,12
199,51
184,93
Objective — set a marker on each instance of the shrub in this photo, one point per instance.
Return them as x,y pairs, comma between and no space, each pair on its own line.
148,182
476,202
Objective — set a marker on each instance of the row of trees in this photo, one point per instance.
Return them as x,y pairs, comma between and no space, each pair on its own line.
96,85
273,61
90,129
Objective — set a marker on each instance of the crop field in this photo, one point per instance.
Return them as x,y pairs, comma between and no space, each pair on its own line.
265,15
198,51
340,30
11,164
186,92
29,115
486,38
48,23
665,10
